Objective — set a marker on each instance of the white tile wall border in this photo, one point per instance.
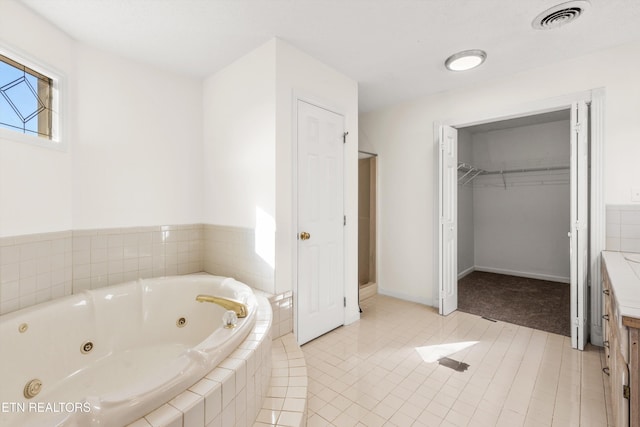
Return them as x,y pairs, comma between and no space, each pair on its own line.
103,257
34,268
40,267
231,251
623,228
282,308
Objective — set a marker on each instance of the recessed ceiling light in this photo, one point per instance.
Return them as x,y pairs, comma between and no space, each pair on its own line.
465,60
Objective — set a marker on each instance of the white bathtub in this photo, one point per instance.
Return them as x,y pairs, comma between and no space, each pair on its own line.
140,358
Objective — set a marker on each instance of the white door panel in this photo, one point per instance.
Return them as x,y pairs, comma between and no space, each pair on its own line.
320,214
579,226
579,223
448,194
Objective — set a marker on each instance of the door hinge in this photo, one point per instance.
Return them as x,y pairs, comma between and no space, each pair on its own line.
626,392
577,127
344,301
344,220
344,137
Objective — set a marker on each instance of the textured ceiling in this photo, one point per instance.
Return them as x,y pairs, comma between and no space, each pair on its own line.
395,49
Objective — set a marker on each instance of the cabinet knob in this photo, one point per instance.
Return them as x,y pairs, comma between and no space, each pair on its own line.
606,291
606,370
605,317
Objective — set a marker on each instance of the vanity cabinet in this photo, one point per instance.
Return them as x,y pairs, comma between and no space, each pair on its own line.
621,323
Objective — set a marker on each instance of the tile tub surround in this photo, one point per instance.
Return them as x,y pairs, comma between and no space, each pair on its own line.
34,268
37,268
232,393
231,251
103,257
623,228
269,389
40,267
282,307
282,312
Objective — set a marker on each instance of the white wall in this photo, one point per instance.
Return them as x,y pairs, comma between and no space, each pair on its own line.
133,138
138,152
239,104
403,137
147,147
300,75
522,230
466,260
249,148
35,182
532,146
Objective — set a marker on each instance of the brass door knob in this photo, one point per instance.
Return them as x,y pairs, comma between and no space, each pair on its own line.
305,236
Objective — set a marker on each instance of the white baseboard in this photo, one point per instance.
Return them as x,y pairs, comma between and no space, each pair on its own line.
466,272
524,274
405,296
368,290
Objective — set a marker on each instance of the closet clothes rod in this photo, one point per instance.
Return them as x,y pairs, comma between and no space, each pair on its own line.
471,172
543,169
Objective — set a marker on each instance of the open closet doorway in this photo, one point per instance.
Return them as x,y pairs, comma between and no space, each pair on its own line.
514,212
367,191
585,227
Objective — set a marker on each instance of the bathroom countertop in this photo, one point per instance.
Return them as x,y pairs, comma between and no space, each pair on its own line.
624,272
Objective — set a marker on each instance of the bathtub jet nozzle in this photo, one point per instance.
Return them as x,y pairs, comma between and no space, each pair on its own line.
239,308
32,388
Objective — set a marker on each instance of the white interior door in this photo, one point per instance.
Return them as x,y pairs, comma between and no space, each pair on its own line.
320,277
447,235
579,223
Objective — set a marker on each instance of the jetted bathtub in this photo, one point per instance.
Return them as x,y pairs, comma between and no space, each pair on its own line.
106,357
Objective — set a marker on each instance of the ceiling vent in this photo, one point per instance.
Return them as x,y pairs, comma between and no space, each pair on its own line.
560,15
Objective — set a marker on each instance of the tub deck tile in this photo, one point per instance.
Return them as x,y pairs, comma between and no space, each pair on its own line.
140,423
192,406
165,416
234,393
211,391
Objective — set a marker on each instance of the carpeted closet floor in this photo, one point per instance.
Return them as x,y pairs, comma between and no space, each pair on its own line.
537,304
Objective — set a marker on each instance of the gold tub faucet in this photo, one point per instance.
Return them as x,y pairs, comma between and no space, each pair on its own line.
239,308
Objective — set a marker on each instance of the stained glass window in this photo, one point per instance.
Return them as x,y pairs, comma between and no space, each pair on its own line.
25,99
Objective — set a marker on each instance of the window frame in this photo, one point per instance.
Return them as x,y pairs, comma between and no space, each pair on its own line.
58,134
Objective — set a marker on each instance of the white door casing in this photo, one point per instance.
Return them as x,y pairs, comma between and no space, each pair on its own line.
320,219
448,245
579,223
579,232
591,133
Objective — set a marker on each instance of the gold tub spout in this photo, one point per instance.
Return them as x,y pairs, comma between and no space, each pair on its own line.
239,308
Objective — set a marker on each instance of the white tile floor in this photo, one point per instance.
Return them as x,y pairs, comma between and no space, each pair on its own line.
370,374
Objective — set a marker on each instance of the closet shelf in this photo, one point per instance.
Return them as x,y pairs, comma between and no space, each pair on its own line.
469,172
